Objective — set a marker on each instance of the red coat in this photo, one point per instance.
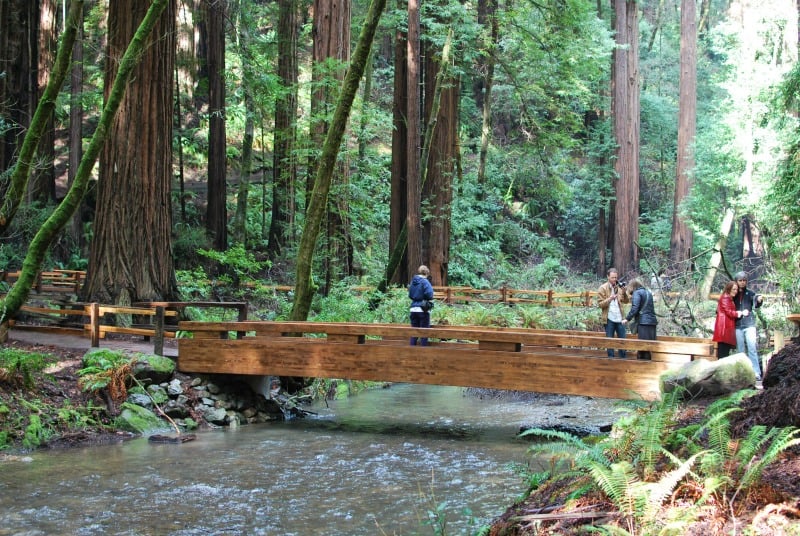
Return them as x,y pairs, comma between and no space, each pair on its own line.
725,326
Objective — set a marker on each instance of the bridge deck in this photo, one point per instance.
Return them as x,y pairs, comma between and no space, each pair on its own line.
547,361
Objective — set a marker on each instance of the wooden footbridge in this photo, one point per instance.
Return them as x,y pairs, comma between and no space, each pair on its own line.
546,361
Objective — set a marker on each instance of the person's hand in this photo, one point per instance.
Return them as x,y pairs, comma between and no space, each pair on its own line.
745,312
624,321
759,298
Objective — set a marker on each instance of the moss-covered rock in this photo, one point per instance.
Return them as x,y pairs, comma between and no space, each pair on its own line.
153,368
137,419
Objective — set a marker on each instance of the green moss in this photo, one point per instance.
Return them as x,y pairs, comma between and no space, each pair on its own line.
159,363
137,419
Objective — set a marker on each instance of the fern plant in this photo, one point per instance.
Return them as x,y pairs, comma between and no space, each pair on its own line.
106,371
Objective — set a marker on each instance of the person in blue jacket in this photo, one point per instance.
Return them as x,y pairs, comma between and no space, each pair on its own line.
643,307
420,292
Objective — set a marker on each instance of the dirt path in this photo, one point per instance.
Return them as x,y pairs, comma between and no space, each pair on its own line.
76,343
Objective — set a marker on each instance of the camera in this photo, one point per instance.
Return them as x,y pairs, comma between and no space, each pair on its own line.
622,284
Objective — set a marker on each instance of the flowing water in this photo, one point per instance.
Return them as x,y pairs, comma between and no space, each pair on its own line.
372,464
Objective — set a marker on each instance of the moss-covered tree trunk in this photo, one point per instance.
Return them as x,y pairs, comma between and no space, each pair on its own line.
304,289
56,222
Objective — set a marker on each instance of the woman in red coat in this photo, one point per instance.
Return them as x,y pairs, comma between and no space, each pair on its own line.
725,325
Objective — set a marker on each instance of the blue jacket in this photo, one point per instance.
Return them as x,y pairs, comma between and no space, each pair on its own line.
642,304
420,289
746,301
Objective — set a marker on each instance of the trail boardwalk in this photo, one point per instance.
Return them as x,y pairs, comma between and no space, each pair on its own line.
546,361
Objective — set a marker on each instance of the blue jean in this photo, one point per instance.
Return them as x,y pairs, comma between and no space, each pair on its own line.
747,342
619,329
420,320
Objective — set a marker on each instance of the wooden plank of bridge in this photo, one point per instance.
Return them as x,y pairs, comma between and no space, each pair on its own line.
502,359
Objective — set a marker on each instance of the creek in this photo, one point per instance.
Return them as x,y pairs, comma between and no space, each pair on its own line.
372,464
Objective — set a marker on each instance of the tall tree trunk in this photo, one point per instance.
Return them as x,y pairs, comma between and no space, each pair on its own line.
439,158
304,290
413,190
680,246
217,209
61,215
76,134
488,18
42,185
284,162
397,268
243,34
625,111
331,53
131,254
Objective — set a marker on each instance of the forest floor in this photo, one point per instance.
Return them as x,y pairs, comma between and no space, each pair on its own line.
778,404
771,508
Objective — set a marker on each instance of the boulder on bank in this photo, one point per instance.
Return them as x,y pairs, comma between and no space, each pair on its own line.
710,378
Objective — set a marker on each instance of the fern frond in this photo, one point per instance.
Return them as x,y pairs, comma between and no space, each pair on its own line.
779,440
659,491
619,483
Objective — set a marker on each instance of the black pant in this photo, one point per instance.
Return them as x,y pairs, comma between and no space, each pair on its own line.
646,333
724,349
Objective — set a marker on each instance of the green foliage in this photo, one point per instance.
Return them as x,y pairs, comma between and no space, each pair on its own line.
237,260
18,366
35,433
635,471
106,370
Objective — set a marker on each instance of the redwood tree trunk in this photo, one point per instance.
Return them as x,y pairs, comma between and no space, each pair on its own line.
331,35
397,210
680,245
131,257
284,164
625,111
217,210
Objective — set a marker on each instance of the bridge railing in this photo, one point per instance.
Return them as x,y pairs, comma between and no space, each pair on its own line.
552,361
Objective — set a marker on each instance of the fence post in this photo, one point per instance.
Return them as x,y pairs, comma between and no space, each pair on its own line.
94,323
158,325
242,317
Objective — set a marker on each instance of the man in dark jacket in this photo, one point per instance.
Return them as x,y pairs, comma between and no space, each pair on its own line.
642,306
420,292
746,336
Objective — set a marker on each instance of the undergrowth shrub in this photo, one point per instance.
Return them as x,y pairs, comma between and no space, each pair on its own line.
18,366
640,465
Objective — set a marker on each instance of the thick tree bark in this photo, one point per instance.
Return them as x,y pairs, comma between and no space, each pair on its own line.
680,246
284,163
397,265
304,290
55,223
217,209
131,257
439,161
625,111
